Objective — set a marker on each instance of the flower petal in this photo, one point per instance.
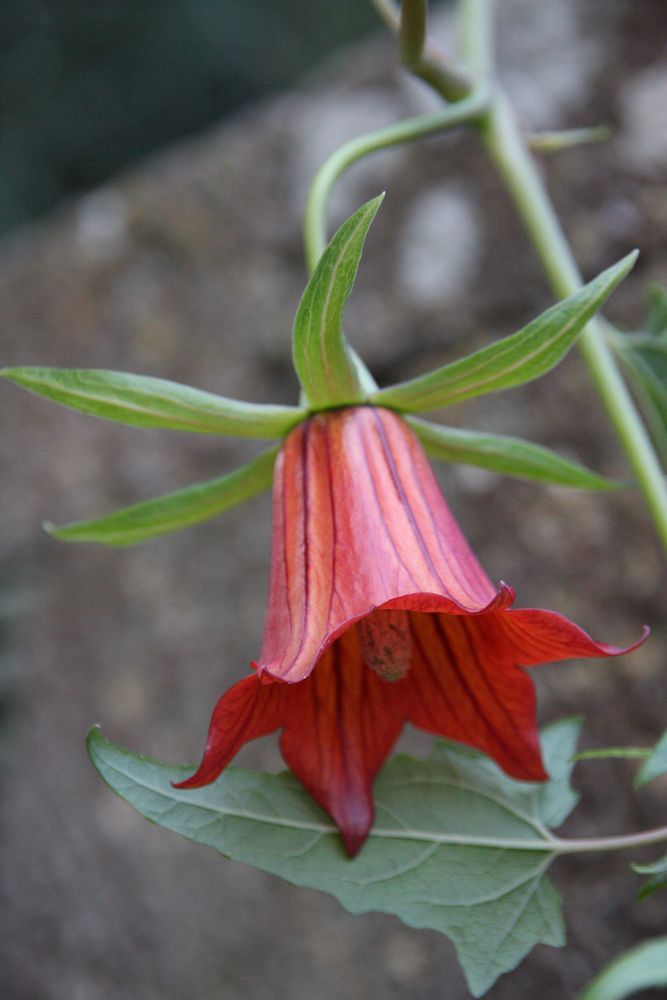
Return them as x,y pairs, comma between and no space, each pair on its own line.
359,522
249,709
537,636
343,721
465,689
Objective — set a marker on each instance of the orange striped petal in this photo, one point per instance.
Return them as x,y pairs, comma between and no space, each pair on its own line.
359,523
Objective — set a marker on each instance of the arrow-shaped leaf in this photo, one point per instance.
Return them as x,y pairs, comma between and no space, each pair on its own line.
174,510
509,362
326,372
508,455
457,846
143,401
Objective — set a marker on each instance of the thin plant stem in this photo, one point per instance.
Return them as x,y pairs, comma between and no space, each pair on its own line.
451,116
507,149
412,32
390,13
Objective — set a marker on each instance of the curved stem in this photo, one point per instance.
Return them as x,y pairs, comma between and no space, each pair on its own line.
467,110
504,142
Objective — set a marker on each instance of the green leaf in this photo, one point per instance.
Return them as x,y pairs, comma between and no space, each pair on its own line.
508,455
658,872
328,375
656,323
639,969
645,358
143,401
457,846
174,510
509,362
655,765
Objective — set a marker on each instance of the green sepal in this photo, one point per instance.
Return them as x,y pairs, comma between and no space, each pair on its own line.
645,358
512,361
457,846
641,968
144,401
507,455
173,511
327,373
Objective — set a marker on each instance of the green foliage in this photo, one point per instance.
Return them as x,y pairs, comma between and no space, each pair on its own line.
326,372
655,764
509,362
457,846
642,968
645,357
143,401
658,880
508,455
174,510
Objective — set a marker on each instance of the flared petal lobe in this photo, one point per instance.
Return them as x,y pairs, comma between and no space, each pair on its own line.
359,523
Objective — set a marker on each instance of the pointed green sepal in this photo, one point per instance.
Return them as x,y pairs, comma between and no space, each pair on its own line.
509,362
143,401
508,455
327,373
174,510
645,357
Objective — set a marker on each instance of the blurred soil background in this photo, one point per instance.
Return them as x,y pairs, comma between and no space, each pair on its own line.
189,266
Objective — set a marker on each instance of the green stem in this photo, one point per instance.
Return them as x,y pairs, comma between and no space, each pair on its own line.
505,144
624,842
412,34
508,150
315,229
475,27
390,13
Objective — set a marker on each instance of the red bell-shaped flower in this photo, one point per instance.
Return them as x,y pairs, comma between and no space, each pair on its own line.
379,614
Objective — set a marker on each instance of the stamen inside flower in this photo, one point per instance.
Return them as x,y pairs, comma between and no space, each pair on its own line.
386,645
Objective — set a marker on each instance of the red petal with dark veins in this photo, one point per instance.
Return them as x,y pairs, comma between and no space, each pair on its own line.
358,522
339,726
339,732
537,636
463,690
249,709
